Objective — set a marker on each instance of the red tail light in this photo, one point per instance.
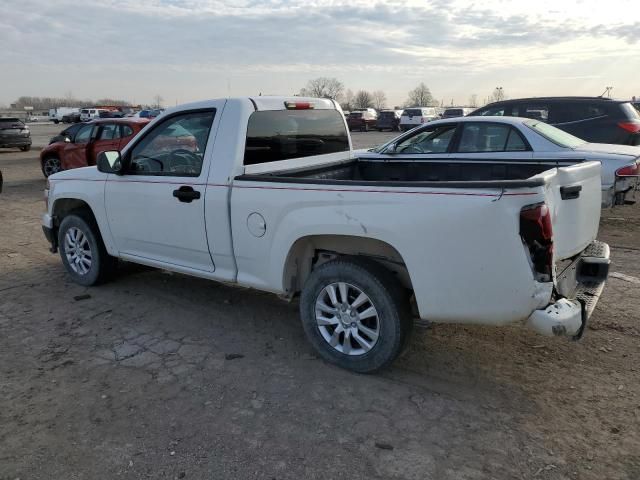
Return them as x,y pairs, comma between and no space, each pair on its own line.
299,105
536,232
631,127
632,170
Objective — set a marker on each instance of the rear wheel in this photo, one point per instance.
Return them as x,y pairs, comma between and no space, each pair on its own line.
82,250
355,314
26,148
51,165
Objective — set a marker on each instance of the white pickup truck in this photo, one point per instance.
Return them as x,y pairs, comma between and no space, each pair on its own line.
266,192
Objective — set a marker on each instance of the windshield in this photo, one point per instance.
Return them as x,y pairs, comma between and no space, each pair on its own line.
410,112
453,112
555,135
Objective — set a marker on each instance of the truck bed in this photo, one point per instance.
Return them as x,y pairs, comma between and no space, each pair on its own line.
436,173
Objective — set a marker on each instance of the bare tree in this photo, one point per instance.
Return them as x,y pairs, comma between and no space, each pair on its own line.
113,101
420,97
363,99
473,100
347,101
379,100
157,101
323,87
498,95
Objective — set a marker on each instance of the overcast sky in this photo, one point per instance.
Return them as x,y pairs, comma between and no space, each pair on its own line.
186,50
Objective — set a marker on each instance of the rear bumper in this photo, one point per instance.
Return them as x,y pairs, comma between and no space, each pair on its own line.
15,142
579,288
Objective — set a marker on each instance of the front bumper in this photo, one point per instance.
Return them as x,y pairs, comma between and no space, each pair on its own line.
48,228
578,289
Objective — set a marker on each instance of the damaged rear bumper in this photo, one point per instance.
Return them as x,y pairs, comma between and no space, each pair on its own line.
579,288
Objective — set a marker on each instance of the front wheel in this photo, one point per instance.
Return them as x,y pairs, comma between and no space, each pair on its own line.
355,314
26,148
82,251
51,165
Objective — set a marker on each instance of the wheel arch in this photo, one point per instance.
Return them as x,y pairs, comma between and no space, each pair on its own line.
65,206
310,251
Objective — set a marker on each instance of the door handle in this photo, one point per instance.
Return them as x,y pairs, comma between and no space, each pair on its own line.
569,193
186,194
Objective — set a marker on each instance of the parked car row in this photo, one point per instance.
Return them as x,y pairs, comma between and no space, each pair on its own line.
400,120
76,115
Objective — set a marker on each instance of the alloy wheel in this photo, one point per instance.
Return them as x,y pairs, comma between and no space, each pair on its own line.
347,319
78,251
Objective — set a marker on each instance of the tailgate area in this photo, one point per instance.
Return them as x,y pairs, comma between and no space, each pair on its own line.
578,289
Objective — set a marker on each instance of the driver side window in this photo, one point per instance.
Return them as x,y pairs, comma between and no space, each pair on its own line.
175,147
83,135
432,140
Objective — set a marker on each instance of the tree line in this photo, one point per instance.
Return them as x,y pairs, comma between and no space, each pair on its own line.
45,103
421,96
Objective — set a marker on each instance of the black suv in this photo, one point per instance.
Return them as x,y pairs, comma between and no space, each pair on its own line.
14,133
593,119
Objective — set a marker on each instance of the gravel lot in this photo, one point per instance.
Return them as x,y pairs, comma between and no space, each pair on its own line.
159,375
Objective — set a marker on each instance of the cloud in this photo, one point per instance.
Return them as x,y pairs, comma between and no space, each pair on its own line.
341,38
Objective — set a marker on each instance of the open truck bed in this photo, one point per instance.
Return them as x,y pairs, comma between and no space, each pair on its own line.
436,173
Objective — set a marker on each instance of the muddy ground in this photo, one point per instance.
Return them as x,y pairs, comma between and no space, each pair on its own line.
165,376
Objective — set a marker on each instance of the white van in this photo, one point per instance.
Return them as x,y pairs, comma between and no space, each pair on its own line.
412,117
90,113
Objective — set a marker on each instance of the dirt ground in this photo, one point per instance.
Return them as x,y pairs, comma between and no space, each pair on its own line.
165,376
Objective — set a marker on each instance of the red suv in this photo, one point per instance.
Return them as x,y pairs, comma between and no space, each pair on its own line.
81,149
362,120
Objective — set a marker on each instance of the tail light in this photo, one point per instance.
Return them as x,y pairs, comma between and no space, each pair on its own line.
536,232
422,120
299,105
631,127
632,170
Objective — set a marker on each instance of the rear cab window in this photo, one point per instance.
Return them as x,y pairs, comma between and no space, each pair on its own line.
274,135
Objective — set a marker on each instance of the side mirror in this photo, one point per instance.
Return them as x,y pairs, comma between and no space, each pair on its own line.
109,162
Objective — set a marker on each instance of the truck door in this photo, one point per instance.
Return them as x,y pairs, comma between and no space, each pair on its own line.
156,209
